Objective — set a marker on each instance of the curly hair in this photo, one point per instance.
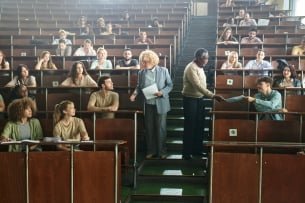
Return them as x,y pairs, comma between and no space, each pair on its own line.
73,71
150,56
59,110
17,107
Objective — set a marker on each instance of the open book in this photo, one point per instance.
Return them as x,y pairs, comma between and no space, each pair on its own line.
19,141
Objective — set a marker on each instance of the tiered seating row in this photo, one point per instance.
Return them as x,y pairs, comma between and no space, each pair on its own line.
47,97
29,54
271,29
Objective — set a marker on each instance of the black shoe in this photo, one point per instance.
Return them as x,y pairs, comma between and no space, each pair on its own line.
187,157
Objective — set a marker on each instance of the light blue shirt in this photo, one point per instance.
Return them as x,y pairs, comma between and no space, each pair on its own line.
255,65
106,65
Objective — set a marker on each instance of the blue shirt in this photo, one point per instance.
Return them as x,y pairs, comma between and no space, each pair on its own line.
269,103
255,65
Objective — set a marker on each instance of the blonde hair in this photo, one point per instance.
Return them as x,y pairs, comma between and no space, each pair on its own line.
59,110
232,53
150,56
101,49
62,31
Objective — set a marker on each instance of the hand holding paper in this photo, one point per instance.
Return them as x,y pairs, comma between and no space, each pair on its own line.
235,99
150,91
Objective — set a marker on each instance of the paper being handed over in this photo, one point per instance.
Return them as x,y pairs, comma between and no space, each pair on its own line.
150,91
235,99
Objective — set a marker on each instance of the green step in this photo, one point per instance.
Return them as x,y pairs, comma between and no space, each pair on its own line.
173,168
176,102
176,110
166,199
191,186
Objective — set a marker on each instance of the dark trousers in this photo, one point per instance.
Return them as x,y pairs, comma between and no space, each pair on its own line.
194,115
155,130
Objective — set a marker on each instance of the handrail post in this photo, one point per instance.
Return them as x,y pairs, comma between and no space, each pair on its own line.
260,175
135,150
71,173
211,174
116,151
27,173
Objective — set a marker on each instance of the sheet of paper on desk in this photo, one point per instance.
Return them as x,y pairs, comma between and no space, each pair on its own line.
150,91
235,99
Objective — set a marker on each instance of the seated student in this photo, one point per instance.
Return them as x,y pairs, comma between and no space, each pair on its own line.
108,29
259,64
20,91
2,104
229,3
299,50
62,35
259,2
101,62
125,16
86,50
155,23
82,21
2,107
226,37
67,126
22,77
251,39
78,77
104,100
45,62
128,62
288,79
63,49
279,64
87,30
247,21
230,22
231,64
21,125
101,23
267,100
4,65
143,39
241,14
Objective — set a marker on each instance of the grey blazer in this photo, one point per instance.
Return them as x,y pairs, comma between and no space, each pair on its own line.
164,84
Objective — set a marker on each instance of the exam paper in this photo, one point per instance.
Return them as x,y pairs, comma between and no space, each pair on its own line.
235,99
150,91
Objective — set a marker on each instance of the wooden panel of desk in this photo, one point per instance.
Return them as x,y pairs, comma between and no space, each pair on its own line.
50,176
